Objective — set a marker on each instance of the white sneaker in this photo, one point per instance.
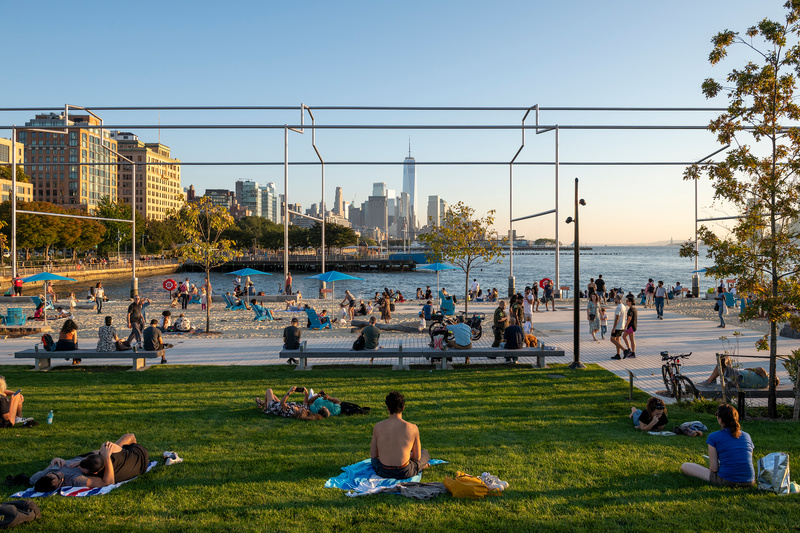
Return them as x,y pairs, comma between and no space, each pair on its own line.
310,393
493,482
20,420
172,458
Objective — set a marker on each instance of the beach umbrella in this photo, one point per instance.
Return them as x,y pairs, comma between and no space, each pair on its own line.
248,272
332,277
698,271
44,277
437,267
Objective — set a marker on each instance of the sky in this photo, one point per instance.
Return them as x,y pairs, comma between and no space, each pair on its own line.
623,53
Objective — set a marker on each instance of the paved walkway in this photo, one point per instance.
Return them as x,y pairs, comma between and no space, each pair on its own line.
676,334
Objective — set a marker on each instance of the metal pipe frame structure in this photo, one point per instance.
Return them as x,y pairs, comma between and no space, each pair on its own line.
14,210
538,127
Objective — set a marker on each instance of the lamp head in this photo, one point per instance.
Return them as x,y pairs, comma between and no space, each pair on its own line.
569,220
582,202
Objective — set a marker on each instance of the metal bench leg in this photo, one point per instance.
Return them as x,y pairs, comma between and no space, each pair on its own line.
400,365
138,364
302,363
42,364
540,361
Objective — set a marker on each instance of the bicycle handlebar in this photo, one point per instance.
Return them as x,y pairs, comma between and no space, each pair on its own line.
665,356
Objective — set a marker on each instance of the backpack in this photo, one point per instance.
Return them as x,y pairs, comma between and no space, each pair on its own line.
353,409
48,343
467,486
773,473
360,344
391,308
18,512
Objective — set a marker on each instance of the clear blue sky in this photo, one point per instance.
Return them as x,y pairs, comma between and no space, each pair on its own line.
467,53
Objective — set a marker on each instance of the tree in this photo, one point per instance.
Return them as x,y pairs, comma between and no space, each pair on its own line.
203,224
762,250
5,173
464,241
336,236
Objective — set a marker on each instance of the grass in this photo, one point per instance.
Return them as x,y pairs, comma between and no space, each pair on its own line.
570,454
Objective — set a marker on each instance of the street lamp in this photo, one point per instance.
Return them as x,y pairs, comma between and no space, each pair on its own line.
576,314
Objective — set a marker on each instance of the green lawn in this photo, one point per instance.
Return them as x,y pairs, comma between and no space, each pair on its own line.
570,454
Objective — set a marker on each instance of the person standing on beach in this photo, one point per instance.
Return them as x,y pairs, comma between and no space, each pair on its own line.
661,295
630,329
500,323
135,320
617,328
184,294
473,289
591,288
288,284
601,288
99,294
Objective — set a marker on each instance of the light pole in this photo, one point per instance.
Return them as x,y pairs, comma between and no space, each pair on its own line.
576,314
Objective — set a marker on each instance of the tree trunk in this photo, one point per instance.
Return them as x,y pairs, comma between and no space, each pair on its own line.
208,307
466,295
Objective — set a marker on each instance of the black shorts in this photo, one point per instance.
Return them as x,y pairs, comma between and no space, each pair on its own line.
411,469
616,333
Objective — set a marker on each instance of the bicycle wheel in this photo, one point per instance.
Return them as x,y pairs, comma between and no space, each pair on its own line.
477,331
668,386
434,325
685,389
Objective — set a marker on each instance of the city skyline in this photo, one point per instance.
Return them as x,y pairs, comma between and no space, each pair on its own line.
511,53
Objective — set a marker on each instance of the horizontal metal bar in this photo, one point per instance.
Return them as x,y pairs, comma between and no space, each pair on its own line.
376,163
721,218
299,214
480,127
74,216
533,216
367,108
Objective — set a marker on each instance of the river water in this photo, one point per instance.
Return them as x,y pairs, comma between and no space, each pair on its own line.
628,267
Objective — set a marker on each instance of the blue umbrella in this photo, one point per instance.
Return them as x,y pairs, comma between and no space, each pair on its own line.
333,276
45,277
697,271
248,272
437,267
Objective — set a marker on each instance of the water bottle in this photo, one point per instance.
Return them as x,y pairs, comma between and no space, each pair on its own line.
50,417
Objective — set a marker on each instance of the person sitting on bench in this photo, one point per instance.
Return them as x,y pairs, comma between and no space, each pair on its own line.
113,463
395,449
748,378
291,339
153,341
107,340
461,338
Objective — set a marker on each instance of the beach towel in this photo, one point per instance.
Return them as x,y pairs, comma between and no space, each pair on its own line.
359,479
77,491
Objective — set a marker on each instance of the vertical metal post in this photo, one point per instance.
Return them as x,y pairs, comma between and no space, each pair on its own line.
285,202
558,248
696,275
576,312
134,281
511,288
13,202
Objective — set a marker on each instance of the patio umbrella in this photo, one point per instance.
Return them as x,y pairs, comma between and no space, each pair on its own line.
44,277
248,272
332,277
437,267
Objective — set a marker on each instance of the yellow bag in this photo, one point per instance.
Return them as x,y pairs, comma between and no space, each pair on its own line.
467,486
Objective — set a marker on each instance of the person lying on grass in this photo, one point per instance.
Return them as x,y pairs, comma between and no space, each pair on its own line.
395,449
272,405
113,463
653,418
730,454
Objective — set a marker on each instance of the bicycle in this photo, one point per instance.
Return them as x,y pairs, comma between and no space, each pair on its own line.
677,385
438,321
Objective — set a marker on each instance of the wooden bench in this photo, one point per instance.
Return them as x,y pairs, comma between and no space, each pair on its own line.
304,354
42,358
491,353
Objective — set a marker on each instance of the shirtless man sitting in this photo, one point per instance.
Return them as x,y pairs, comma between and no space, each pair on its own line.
395,449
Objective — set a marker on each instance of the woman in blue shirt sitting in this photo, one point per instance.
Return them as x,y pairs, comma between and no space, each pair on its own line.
730,454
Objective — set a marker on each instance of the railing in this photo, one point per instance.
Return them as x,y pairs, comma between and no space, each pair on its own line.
29,268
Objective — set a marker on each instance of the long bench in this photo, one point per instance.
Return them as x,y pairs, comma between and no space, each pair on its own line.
491,353
42,358
304,354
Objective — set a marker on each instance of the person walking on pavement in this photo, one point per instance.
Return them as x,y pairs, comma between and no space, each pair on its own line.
99,294
500,323
617,328
629,336
721,307
661,295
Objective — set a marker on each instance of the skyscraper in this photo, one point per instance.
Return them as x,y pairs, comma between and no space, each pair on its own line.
269,203
379,188
338,204
410,185
248,195
434,210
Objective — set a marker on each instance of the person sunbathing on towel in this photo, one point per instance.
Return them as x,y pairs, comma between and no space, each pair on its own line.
395,450
113,463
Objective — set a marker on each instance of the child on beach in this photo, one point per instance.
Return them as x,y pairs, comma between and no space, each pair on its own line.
603,322
203,299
